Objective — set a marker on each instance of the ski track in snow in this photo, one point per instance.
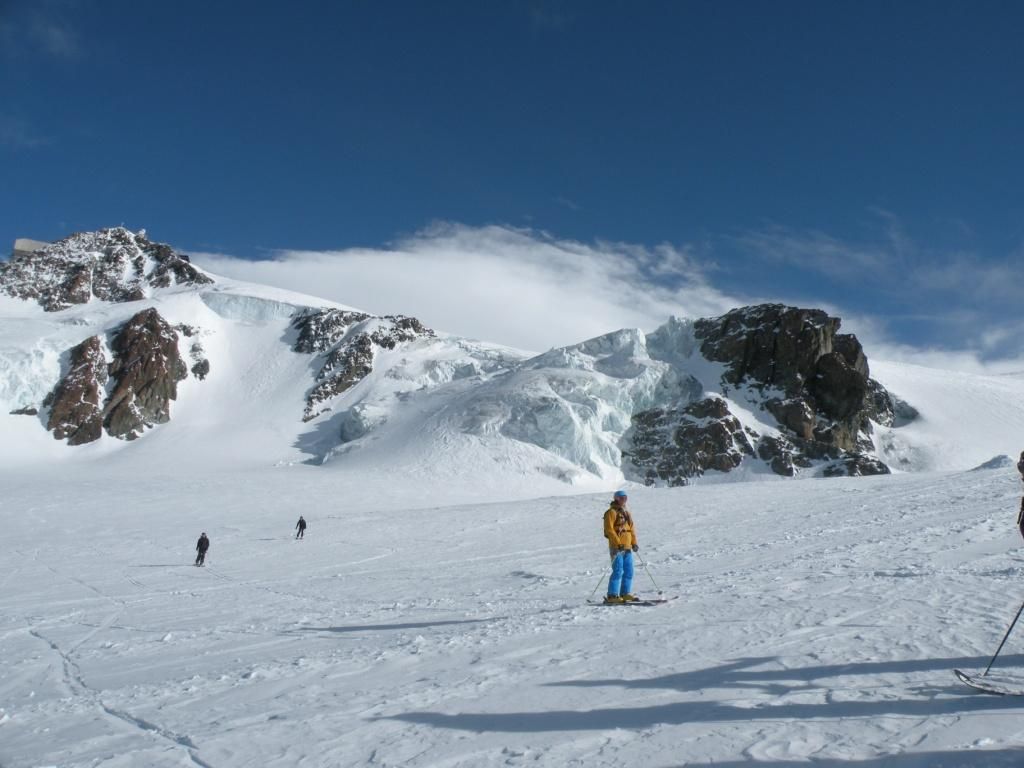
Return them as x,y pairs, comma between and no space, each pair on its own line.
818,622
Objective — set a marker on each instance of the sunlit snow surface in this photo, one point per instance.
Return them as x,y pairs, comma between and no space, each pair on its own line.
817,619
435,614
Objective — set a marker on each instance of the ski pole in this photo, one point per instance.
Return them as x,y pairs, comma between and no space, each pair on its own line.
596,586
644,564
1012,623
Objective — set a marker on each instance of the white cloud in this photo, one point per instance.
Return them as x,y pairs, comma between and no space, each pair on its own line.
513,286
529,290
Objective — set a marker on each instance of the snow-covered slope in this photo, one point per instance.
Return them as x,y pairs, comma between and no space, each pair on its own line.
817,621
964,420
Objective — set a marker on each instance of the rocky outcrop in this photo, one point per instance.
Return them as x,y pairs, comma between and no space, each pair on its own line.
114,265
201,368
319,330
146,370
770,345
76,403
856,465
795,414
828,399
344,367
779,454
811,384
200,363
350,346
671,446
141,377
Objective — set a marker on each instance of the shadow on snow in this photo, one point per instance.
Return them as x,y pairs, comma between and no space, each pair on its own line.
740,674
743,673
408,625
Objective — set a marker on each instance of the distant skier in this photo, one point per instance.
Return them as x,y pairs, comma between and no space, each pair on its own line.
618,529
301,525
201,546
1020,515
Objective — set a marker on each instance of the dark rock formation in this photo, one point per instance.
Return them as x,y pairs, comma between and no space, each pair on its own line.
27,410
795,366
770,345
320,330
396,329
671,446
114,265
201,368
344,367
778,453
837,388
829,399
794,413
856,465
351,352
200,364
76,403
146,370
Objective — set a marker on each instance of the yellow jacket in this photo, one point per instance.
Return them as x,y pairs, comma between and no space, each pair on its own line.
618,528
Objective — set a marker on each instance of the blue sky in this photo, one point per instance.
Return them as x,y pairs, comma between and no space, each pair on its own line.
863,156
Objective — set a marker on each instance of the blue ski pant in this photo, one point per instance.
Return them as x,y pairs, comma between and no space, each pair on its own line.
621,581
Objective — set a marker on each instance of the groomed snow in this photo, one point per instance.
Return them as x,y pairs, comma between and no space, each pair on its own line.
817,620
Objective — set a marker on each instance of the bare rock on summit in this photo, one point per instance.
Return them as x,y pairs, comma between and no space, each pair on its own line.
114,265
146,369
76,403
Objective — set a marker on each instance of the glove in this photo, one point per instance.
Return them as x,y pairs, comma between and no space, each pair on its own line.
622,549
636,547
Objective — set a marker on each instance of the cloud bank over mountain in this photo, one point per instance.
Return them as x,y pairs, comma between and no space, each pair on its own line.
531,290
514,286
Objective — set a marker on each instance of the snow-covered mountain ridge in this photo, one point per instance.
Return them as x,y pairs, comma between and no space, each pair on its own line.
108,337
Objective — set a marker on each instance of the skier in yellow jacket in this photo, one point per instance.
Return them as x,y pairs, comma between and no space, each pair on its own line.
618,529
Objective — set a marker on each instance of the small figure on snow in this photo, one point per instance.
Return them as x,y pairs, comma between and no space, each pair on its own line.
621,535
201,546
301,526
1020,515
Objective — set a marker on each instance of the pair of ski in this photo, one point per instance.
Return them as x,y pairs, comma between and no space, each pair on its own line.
998,685
642,602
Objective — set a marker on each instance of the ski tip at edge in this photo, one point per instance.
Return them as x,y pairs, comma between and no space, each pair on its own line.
977,685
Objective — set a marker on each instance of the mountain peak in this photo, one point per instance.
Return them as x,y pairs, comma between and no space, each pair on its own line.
114,264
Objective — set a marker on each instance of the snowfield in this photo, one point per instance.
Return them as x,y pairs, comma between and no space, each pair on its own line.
436,613
817,622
